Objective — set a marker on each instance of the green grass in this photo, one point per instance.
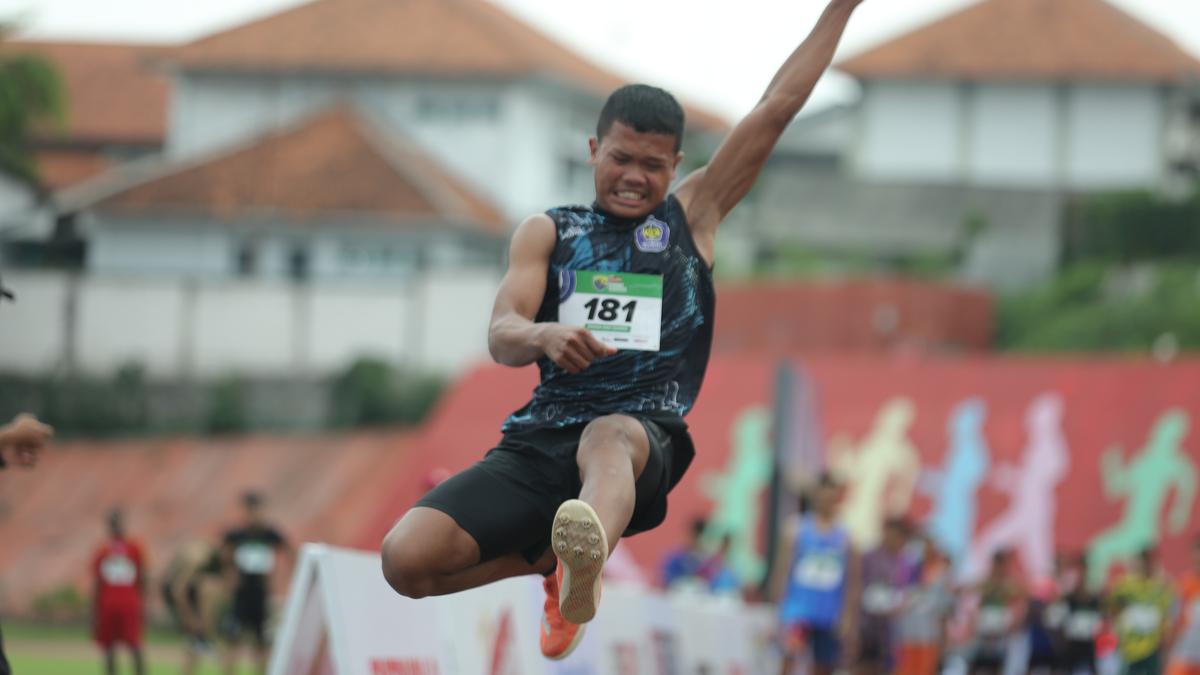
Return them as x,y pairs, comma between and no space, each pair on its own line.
45,665
65,649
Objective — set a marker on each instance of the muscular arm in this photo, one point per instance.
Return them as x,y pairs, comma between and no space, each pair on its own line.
514,339
710,193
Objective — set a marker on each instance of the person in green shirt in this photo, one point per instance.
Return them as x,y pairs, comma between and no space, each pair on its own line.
1140,603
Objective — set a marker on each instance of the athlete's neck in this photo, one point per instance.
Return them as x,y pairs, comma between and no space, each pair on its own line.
619,220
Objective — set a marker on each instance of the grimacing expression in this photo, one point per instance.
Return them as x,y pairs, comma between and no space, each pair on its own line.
633,170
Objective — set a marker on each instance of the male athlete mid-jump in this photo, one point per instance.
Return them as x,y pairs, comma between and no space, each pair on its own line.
614,302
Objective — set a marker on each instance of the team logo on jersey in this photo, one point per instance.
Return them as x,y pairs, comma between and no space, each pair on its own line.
652,236
608,282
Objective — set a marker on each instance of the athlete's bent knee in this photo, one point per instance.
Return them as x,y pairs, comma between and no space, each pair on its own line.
405,572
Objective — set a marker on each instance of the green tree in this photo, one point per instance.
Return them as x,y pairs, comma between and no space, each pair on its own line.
31,95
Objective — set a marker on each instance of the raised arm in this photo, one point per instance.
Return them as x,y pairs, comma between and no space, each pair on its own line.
710,193
514,339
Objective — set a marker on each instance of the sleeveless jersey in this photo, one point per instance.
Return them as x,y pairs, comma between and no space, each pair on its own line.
656,384
817,578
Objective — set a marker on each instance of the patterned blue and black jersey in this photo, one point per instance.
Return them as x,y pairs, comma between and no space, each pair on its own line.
658,384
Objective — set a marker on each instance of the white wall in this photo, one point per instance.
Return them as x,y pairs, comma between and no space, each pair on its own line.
911,131
1033,135
161,248
208,329
33,330
1115,135
1014,139
505,139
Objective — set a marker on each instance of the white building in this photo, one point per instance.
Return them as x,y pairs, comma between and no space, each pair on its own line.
507,108
1028,94
974,131
330,198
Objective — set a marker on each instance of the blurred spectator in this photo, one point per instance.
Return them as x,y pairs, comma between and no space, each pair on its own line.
253,549
715,570
884,578
921,630
1041,623
684,564
118,601
1076,619
1185,649
192,588
21,440
1140,603
1000,618
816,557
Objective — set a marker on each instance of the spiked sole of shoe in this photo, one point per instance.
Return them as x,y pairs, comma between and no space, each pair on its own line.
581,546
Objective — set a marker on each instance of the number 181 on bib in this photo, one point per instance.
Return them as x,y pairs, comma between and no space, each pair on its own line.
621,309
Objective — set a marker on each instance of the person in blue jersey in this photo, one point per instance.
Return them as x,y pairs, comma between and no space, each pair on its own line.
816,560
614,303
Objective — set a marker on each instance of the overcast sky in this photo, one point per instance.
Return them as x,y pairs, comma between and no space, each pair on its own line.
720,53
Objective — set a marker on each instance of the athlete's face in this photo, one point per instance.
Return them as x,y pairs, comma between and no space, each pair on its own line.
633,170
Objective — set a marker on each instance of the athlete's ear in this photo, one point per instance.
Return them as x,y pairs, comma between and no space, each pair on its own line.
678,159
594,149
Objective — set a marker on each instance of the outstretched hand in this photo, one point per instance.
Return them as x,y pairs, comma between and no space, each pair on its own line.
25,437
573,348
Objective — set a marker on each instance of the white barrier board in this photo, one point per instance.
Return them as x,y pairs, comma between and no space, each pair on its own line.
342,618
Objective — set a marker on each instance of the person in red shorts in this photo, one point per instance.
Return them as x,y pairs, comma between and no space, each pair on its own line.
120,573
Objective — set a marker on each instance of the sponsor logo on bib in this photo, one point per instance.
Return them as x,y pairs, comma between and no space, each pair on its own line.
652,236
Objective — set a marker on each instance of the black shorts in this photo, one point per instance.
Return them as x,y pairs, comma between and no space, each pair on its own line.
507,501
249,615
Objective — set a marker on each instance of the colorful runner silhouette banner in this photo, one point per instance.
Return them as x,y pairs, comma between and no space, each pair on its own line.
1037,455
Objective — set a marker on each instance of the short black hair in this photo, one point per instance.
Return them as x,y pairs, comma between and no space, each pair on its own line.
644,108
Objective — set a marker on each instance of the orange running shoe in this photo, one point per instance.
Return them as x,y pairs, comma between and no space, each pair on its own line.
559,636
581,546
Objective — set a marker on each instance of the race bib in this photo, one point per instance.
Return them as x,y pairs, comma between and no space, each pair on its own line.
1141,619
254,558
118,570
881,599
993,620
1055,614
819,571
621,310
1082,626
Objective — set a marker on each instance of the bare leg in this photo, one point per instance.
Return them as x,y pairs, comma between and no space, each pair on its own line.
110,661
612,455
189,660
427,553
261,653
230,656
139,663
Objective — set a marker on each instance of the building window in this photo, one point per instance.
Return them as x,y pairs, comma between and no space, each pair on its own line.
247,259
299,263
445,108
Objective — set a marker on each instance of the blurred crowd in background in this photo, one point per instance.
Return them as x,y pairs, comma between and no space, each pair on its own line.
902,608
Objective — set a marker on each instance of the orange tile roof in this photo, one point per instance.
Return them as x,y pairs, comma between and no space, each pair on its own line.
439,37
1029,40
113,93
333,162
62,168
